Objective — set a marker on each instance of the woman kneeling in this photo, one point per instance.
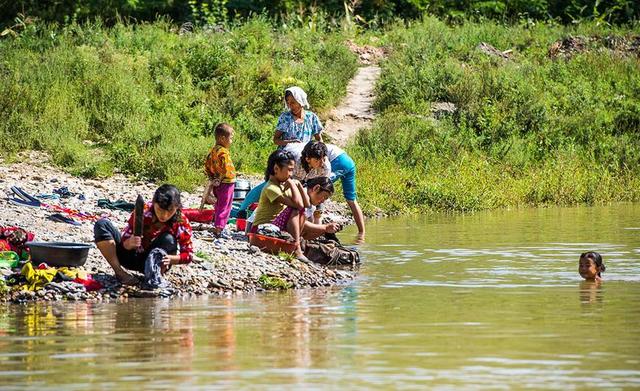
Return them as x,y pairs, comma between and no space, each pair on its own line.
164,228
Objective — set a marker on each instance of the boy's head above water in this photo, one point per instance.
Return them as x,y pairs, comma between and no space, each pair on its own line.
591,266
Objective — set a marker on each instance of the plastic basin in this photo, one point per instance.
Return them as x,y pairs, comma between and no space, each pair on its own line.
271,245
198,216
59,253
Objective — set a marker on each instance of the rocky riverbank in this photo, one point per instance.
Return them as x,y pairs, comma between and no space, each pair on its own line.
220,266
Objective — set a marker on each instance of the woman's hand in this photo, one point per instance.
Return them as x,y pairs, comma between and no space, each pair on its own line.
332,228
167,261
132,243
291,183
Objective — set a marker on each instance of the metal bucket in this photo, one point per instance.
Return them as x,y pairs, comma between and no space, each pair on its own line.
241,189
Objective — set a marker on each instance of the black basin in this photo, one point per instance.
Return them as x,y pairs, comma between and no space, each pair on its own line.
59,253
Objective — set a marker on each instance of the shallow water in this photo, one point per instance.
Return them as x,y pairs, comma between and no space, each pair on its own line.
489,300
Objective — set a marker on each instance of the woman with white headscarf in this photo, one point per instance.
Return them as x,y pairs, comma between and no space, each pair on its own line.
296,125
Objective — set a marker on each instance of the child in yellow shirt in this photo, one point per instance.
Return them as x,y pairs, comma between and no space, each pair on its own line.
222,175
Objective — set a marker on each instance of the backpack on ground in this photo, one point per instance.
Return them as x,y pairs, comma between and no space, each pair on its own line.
330,252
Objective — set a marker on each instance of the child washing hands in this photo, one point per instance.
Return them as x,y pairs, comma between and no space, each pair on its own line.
591,266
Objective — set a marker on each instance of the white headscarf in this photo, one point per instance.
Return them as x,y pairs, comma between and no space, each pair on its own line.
298,94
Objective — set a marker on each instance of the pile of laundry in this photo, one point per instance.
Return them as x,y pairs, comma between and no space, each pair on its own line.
18,274
29,281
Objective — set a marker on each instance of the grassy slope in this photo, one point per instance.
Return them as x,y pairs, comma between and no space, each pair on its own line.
144,100
530,131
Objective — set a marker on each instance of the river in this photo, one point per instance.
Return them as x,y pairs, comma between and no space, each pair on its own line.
484,300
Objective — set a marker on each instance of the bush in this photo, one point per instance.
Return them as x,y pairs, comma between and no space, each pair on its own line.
529,131
144,100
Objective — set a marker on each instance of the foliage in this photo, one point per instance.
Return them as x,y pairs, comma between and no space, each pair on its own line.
327,13
529,131
144,100
274,283
287,257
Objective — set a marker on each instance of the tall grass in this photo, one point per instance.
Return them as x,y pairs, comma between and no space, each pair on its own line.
529,131
144,100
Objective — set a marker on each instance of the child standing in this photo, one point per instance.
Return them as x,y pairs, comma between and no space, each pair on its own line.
222,176
591,266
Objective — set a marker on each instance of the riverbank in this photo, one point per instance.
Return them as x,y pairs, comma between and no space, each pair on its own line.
479,116
220,266
487,115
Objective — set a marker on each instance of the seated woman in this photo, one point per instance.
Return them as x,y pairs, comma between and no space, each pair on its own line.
164,227
296,125
310,162
283,199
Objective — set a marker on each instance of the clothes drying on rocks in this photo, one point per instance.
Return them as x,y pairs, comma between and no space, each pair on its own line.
116,205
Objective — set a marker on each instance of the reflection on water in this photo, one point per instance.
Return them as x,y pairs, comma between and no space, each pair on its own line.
476,301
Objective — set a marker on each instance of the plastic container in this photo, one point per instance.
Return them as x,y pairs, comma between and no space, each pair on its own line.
241,224
241,189
271,245
59,253
198,216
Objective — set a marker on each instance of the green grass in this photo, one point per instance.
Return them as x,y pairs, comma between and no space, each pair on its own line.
144,100
274,283
531,131
204,255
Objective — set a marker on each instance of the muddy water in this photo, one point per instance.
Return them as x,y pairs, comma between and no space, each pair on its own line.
490,300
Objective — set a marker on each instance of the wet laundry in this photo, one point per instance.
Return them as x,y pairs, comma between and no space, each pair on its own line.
153,278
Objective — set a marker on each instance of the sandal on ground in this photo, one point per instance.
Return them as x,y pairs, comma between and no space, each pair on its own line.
21,202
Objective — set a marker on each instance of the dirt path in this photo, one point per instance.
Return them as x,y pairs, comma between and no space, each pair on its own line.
355,111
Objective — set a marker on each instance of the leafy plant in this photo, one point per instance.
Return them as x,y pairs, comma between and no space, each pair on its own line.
274,283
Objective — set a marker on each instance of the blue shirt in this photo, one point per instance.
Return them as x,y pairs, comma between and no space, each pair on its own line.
303,131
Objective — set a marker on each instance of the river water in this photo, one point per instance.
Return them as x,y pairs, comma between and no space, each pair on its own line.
488,300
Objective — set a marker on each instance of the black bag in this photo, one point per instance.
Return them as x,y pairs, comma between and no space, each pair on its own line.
330,252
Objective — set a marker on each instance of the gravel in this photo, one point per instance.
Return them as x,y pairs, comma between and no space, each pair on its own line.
220,266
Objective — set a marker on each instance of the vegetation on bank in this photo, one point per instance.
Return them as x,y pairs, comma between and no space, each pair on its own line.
325,13
534,129
144,99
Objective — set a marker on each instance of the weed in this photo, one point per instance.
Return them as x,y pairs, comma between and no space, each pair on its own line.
274,283
283,256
